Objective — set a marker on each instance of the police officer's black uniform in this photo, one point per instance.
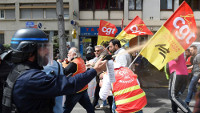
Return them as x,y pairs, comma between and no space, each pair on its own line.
33,90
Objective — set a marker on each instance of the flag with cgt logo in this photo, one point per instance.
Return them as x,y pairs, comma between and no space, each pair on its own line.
106,32
171,40
135,28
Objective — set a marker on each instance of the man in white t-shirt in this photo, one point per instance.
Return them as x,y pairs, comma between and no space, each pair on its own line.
123,59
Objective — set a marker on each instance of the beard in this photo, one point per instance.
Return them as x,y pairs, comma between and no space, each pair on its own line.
113,51
42,60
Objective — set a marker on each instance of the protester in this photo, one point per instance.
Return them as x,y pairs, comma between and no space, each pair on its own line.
30,89
197,102
196,74
76,66
122,90
68,47
110,98
123,59
89,52
110,95
98,50
138,65
189,63
177,84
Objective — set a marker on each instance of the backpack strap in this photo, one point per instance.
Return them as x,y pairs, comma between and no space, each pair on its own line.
10,82
58,68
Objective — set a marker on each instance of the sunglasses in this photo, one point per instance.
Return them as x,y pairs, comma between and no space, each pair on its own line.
97,50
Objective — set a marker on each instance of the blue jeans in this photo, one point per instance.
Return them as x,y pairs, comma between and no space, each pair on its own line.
83,100
113,106
104,102
58,105
139,111
192,87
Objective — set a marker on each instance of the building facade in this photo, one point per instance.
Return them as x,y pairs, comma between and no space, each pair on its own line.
41,14
154,13
83,17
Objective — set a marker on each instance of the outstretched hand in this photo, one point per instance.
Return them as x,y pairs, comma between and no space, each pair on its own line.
100,65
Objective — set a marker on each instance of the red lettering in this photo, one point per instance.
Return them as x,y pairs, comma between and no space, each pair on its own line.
92,29
87,29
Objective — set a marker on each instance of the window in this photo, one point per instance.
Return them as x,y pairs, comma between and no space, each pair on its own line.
66,13
25,13
2,14
135,4
51,13
85,4
194,4
1,38
101,5
41,11
7,11
166,4
117,4
38,13
9,14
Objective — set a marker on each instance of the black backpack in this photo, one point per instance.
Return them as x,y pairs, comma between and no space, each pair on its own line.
6,64
5,68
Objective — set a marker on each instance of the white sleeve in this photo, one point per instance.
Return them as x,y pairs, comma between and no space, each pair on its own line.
110,70
121,59
105,89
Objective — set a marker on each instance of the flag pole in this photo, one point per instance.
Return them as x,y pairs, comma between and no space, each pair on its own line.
141,50
133,61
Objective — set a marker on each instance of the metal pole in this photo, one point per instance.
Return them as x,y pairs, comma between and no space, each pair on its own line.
133,61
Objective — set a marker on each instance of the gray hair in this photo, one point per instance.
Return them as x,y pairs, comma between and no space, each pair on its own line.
76,51
99,46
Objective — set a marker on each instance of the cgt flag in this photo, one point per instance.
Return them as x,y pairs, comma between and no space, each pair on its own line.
135,28
172,38
107,32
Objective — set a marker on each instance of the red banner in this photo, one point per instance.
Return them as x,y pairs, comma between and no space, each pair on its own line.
171,40
135,28
182,25
107,32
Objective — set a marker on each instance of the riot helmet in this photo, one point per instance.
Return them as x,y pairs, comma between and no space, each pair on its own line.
28,42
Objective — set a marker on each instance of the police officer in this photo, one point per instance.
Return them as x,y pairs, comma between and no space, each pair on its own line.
28,88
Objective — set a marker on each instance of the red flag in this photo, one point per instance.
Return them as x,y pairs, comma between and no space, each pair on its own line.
135,28
107,32
171,40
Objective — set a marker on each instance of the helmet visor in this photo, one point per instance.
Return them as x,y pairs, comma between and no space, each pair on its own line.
45,54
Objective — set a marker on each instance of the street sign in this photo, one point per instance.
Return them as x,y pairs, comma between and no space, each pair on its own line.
29,24
73,22
39,25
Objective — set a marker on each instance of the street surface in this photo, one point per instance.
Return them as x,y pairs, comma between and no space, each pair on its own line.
157,98
155,85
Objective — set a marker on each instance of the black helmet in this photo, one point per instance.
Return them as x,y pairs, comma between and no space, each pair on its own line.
25,41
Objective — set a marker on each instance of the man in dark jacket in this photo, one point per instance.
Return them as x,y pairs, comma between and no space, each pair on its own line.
28,88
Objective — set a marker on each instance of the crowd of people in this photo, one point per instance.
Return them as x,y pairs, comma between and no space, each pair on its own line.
35,83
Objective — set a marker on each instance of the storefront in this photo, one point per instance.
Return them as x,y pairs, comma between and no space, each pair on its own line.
89,35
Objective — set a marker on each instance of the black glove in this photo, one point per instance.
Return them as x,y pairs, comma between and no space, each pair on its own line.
107,57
